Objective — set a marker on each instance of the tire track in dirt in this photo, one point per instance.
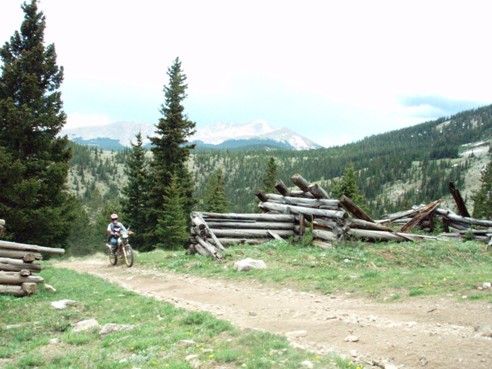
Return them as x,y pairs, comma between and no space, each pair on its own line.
432,333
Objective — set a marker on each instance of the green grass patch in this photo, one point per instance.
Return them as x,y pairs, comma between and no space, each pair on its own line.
35,335
380,271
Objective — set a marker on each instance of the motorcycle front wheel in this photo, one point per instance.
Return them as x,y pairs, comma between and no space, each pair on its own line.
113,259
128,252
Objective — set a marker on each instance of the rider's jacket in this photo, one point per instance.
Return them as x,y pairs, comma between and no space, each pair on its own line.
116,227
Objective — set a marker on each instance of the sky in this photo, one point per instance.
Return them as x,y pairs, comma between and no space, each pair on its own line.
332,71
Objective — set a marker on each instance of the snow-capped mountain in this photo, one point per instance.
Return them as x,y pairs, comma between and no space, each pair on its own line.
223,135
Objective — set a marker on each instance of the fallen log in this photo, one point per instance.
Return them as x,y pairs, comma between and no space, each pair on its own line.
463,220
249,217
19,264
27,247
374,235
299,201
300,182
12,290
20,255
210,233
288,209
352,208
30,288
251,233
317,191
16,278
210,248
325,235
256,225
243,241
282,188
363,224
422,214
458,200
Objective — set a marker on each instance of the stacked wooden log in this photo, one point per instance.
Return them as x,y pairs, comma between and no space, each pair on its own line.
18,267
211,232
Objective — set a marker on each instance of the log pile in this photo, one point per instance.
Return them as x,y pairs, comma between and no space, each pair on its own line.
332,220
18,267
211,232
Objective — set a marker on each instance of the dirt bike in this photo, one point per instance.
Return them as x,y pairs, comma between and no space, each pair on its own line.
123,250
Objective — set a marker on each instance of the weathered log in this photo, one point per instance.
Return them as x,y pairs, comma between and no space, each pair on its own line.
402,214
261,196
210,233
256,225
463,220
243,241
423,213
210,248
317,191
374,235
322,244
250,233
356,211
282,188
301,193
334,214
275,235
458,200
201,250
12,290
325,235
300,182
29,288
20,255
197,222
248,217
363,224
19,263
27,247
16,278
299,201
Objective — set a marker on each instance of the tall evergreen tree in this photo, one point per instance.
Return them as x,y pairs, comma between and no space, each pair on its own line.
171,150
270,176
135,194
348,186
215,196
33,160
483,197
171,229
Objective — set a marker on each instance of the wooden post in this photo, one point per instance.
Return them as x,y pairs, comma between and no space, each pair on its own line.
458,200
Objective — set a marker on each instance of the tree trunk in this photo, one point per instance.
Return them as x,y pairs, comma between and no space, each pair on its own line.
249,217
325,235
300,182
375,235
30,288
318,192
16,278
463,220
256,225
334,214
331,204
458,200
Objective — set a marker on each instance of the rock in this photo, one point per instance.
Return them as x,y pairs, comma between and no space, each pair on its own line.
301,333
85,325
351,338
248,264
307,364
112,327
62,304
49,288
486,285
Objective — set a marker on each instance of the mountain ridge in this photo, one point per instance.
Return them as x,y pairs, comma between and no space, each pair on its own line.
217,136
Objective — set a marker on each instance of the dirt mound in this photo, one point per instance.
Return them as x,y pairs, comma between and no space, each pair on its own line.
432,333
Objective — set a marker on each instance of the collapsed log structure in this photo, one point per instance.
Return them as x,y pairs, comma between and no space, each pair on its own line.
211,231
288,213
18,267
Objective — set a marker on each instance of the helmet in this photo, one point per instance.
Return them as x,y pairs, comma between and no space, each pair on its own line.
114,217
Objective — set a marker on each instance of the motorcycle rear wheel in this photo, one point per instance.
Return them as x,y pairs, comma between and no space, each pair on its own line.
128,253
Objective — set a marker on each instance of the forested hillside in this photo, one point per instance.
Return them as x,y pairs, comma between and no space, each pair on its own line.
395,170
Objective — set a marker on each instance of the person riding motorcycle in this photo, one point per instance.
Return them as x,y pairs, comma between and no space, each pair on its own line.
114,229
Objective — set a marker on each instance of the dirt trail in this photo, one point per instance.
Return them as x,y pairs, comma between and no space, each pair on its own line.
430,333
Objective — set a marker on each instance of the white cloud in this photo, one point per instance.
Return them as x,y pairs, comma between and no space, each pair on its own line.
76,120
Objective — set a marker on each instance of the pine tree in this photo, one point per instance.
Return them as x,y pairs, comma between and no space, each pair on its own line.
135,193
483,197
171,229
347,186
215,196
171,150
33,160
270,176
